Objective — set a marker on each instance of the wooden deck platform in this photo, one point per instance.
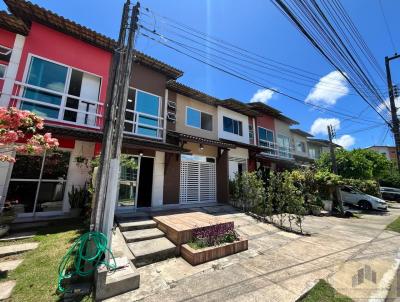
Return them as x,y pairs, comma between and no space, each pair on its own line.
178,227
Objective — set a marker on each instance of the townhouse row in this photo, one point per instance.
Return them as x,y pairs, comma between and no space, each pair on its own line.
185,144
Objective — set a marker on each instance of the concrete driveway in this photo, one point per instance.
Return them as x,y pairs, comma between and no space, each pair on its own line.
357,256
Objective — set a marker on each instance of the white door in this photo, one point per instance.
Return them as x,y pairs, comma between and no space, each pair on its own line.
197,182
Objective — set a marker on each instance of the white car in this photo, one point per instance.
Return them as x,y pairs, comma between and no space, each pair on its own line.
351,195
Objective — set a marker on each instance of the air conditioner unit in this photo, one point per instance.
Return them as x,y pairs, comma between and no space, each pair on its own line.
171,116
171,105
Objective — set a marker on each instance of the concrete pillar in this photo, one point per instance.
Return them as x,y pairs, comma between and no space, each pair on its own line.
11,70
158,180
222,176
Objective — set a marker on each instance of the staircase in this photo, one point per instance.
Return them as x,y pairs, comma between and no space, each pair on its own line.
147,243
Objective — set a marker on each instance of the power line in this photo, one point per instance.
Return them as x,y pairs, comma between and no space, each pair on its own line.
387,26
238,75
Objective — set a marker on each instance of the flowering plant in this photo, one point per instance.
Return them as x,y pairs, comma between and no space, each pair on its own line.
18,125
213,235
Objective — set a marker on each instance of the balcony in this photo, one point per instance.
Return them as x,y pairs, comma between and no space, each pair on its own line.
143,124
58,106
272,149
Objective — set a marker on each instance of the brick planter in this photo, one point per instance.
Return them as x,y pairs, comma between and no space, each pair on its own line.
195,257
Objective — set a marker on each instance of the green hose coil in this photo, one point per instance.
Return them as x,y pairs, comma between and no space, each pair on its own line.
94,242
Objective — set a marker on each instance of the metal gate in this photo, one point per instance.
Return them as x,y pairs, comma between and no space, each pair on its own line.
197,182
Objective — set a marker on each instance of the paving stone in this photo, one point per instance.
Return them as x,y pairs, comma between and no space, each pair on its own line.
6,289
10,265
17,248
19,236
140,235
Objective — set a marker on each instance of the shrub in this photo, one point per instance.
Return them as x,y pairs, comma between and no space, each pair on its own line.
247,191
213,235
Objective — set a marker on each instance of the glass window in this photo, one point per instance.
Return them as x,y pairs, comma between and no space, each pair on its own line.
198,119
2,70
265,135
147,103
301,147
193,117
44,182
199,158
128,183
47,75
232,126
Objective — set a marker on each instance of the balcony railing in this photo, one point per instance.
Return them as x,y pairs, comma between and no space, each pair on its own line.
60,107
143,124
274,150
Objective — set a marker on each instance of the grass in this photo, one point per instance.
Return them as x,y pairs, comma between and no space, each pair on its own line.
324,292
37,275
394,226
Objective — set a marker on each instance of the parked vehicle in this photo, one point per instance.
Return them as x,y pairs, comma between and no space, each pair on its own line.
390,193
353,196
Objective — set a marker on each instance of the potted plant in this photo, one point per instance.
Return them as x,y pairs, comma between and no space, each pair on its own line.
7,216
78,198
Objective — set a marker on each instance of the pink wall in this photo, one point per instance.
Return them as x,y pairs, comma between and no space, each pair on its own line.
50,44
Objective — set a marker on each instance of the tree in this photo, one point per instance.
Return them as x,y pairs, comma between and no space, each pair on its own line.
18,133
357,164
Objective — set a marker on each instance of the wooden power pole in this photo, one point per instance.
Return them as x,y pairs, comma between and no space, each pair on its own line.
393,108
331,135
106,183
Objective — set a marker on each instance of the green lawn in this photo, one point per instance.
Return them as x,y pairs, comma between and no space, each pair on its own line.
324,292
37,275
394,226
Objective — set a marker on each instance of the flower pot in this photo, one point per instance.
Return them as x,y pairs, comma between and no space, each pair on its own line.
4,228
198,256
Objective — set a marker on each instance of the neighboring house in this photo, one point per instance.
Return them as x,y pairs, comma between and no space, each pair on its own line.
273,136
300,146
318,146
185,145
388,151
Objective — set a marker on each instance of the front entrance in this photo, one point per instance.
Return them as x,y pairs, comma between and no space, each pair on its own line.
135,183
198,179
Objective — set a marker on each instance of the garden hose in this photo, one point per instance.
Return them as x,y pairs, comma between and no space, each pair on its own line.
94,243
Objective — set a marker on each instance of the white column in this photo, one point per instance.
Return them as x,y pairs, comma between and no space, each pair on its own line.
78,175
11,70
158,180
5,175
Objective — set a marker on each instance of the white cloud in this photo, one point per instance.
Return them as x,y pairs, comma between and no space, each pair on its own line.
328,90
320,125
386,105
345,141
262,95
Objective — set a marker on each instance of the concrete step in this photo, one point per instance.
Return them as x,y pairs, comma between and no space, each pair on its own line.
6,289
153,250
24,226
137,225
140,235
14,249
110,284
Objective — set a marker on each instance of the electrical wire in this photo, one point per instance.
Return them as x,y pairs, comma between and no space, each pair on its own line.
387,26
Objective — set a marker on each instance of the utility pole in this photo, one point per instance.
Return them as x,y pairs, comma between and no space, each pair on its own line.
331,135
106,183
393,109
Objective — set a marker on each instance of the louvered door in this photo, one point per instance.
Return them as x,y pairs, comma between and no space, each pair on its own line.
197,182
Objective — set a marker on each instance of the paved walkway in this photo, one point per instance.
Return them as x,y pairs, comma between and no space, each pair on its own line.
357,256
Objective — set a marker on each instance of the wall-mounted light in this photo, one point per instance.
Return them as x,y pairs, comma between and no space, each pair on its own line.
141,153
201,147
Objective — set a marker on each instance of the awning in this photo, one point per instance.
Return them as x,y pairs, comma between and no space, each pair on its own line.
201,140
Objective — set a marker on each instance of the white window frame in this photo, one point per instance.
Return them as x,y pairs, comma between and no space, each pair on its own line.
135,113
195,109
233,121
64,95
5,70
39,181
259,139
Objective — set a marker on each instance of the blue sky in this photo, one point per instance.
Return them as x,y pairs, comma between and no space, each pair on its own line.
258,26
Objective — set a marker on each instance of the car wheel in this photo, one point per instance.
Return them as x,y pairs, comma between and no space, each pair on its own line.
365,205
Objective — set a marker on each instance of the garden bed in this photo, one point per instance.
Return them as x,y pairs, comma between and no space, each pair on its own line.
202,255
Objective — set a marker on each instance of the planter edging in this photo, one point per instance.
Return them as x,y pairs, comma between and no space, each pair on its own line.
199,256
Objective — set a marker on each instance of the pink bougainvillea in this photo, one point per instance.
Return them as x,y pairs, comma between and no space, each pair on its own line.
18,132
